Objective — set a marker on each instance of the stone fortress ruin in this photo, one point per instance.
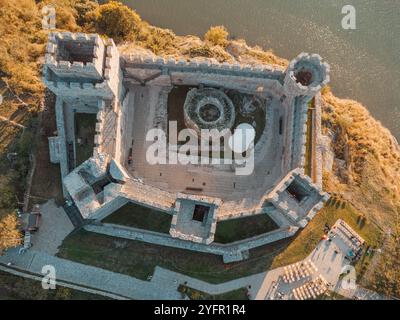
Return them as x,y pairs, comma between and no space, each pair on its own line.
132,93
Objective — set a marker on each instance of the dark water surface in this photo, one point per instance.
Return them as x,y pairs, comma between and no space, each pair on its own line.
365,62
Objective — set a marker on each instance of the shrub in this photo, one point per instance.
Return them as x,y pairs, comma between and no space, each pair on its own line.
84,10
117,21
217,36
160,41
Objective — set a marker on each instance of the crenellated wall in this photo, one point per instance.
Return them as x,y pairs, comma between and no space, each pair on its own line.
87,72
75,55
312,64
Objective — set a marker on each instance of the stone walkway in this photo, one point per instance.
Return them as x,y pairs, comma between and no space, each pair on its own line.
164,283
54,227
328,257
63,284
91,277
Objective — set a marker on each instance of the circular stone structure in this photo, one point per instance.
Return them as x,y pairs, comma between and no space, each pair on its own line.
306,75
208,108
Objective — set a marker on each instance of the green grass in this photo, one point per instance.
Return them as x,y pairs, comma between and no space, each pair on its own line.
193,294
242,228
309,237
17,288
137,216
138,259
85,126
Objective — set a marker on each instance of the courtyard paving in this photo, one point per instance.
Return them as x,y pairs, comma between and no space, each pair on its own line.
220,182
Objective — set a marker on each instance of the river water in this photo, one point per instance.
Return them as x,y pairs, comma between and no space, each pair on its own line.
365,62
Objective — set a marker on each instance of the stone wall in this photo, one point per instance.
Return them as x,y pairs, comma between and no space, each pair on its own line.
232,252
106,129
299,135
59,59
319,141
298,212
313,63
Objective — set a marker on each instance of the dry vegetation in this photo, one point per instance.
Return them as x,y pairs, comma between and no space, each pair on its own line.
367,170
368,176
217,36
371,175
21,56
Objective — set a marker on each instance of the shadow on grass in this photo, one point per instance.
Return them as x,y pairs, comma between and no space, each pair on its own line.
139,259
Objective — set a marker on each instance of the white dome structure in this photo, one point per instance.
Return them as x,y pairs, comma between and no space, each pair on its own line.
242,138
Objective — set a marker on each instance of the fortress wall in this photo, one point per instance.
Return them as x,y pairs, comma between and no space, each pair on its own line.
58,59
62,139
109,131
288,132
240,83
106,129
109,208
204,65
231,252
299,136
126,124
98,138
112,72
79,90
319,143
307,209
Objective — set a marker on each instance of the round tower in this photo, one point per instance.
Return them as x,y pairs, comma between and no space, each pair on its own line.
306,75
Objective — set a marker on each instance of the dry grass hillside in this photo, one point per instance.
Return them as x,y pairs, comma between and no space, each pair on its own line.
366,170
370,173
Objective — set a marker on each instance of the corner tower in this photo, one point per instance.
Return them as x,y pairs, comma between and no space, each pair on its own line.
305,76
79,65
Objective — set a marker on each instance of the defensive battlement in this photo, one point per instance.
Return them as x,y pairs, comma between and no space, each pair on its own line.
118,100
306,75
203,64
79,65
298,198
75,55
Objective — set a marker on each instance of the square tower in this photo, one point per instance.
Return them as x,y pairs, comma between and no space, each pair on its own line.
79,55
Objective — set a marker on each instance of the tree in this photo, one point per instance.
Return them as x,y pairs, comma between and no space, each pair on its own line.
83,9
117,21
217,36
9,234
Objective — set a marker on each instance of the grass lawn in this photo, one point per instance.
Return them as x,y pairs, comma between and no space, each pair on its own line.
137,216
85,126
242,228
17,288
193,294
309,237
139,259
